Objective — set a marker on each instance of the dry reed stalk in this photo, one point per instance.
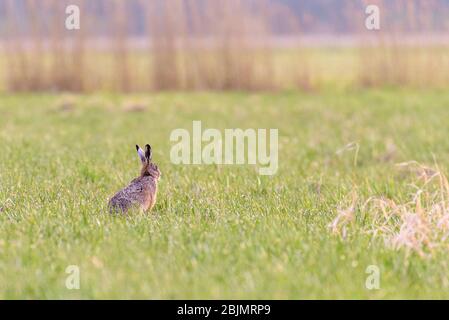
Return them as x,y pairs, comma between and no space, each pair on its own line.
35,64
120,49
58,73
17,71
78,57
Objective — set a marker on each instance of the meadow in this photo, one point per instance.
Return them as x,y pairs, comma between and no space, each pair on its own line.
217,231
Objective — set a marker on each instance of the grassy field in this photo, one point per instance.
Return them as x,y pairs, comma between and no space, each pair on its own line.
216,231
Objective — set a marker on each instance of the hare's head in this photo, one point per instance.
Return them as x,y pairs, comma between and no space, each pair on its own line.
148,168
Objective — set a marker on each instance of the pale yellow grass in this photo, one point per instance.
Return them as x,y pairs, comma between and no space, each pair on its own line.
420,225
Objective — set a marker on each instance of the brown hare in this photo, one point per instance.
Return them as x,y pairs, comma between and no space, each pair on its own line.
141,192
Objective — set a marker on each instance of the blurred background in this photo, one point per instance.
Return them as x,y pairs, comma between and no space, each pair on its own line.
141,46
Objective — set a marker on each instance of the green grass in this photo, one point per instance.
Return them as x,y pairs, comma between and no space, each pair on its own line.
215,232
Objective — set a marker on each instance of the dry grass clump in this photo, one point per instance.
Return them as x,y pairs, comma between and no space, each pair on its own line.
420,225
345,217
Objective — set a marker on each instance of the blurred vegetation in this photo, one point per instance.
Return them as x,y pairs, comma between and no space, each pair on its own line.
220,45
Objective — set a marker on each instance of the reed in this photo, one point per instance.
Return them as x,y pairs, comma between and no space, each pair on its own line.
215,45
402,52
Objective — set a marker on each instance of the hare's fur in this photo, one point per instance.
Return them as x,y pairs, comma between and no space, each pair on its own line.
142,191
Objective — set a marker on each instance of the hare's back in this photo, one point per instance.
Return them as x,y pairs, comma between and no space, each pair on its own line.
119,203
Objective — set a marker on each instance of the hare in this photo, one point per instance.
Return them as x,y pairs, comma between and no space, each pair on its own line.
142,191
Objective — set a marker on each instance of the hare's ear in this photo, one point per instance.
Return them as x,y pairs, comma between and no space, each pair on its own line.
141,154
148,153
